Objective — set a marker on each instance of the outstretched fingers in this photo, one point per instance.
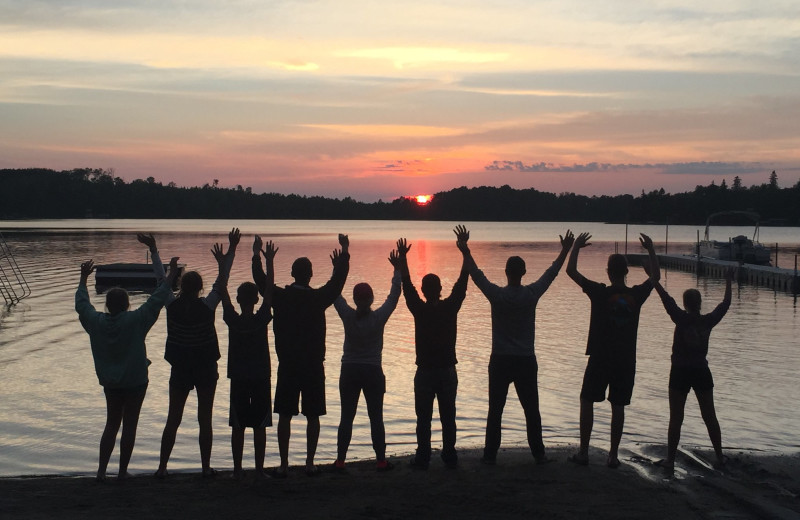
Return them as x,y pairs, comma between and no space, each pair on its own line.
583,240
461,232
87,268
270,250
217,252
146,239
403,246
567,240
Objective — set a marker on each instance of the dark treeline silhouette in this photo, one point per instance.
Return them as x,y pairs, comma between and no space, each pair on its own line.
91,192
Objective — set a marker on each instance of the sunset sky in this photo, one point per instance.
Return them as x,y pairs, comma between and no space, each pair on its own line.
377,99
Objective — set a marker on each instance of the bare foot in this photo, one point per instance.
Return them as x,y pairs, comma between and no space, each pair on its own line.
238,474
124,476
161,473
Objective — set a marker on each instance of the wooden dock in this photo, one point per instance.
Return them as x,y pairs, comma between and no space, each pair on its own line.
779,279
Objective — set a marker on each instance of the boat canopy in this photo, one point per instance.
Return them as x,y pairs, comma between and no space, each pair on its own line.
752,215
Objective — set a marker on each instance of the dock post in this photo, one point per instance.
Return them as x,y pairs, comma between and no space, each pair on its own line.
795,280
666,240
776,254
626,239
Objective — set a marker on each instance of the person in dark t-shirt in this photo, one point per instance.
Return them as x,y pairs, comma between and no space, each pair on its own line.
435,328
611,346
249,367
690,366
299,327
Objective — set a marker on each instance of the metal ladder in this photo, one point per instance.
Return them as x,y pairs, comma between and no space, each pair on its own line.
13,286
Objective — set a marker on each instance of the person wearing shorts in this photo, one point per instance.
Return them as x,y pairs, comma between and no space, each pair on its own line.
299,327
249,367
192,350
690,365
611,346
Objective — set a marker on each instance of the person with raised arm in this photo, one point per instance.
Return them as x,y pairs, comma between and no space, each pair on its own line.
611,345
192,350
299,327
117,339
513,358
690,367
361,364
249,365
435,331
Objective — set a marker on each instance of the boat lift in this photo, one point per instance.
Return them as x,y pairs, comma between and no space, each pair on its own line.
13,286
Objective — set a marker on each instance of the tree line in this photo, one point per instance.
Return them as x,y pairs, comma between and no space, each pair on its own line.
99,193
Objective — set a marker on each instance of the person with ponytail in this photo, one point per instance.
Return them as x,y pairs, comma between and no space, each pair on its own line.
361,364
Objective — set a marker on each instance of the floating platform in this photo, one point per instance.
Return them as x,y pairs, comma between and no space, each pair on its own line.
132,277
776,278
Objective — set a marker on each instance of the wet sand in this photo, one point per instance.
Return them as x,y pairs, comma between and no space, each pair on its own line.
753,485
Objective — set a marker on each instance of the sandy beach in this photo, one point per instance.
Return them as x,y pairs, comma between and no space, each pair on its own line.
752,485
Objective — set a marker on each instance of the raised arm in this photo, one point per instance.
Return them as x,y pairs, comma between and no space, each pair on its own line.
566,243
388,306
403,247
580,242
270,250
224,264
83,306
462,238
655,271
412,296
719,312
340,258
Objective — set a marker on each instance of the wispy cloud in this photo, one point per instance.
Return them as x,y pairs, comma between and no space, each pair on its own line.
700,168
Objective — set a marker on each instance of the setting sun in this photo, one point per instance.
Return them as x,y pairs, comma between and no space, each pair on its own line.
423,200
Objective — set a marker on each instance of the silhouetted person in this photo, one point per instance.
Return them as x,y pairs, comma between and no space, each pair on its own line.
435,329
361,364
690,366
299,327
192,351
117,338
611,345
513,357
249,365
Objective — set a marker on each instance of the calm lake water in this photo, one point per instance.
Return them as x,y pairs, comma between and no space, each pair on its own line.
52,409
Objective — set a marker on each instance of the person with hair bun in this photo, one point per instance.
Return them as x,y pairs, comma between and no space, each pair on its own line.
361,364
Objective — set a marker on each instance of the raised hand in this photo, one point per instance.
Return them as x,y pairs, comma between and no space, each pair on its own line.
233,237
270,250
582,240
567,240
337,253
403,247
462,234
646,242
147,240
394,258
344,241
257,245
87,268
218,253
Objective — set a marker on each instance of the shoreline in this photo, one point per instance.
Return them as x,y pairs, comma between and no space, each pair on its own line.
752,485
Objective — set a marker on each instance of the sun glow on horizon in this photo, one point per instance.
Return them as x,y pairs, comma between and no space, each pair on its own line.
423,200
